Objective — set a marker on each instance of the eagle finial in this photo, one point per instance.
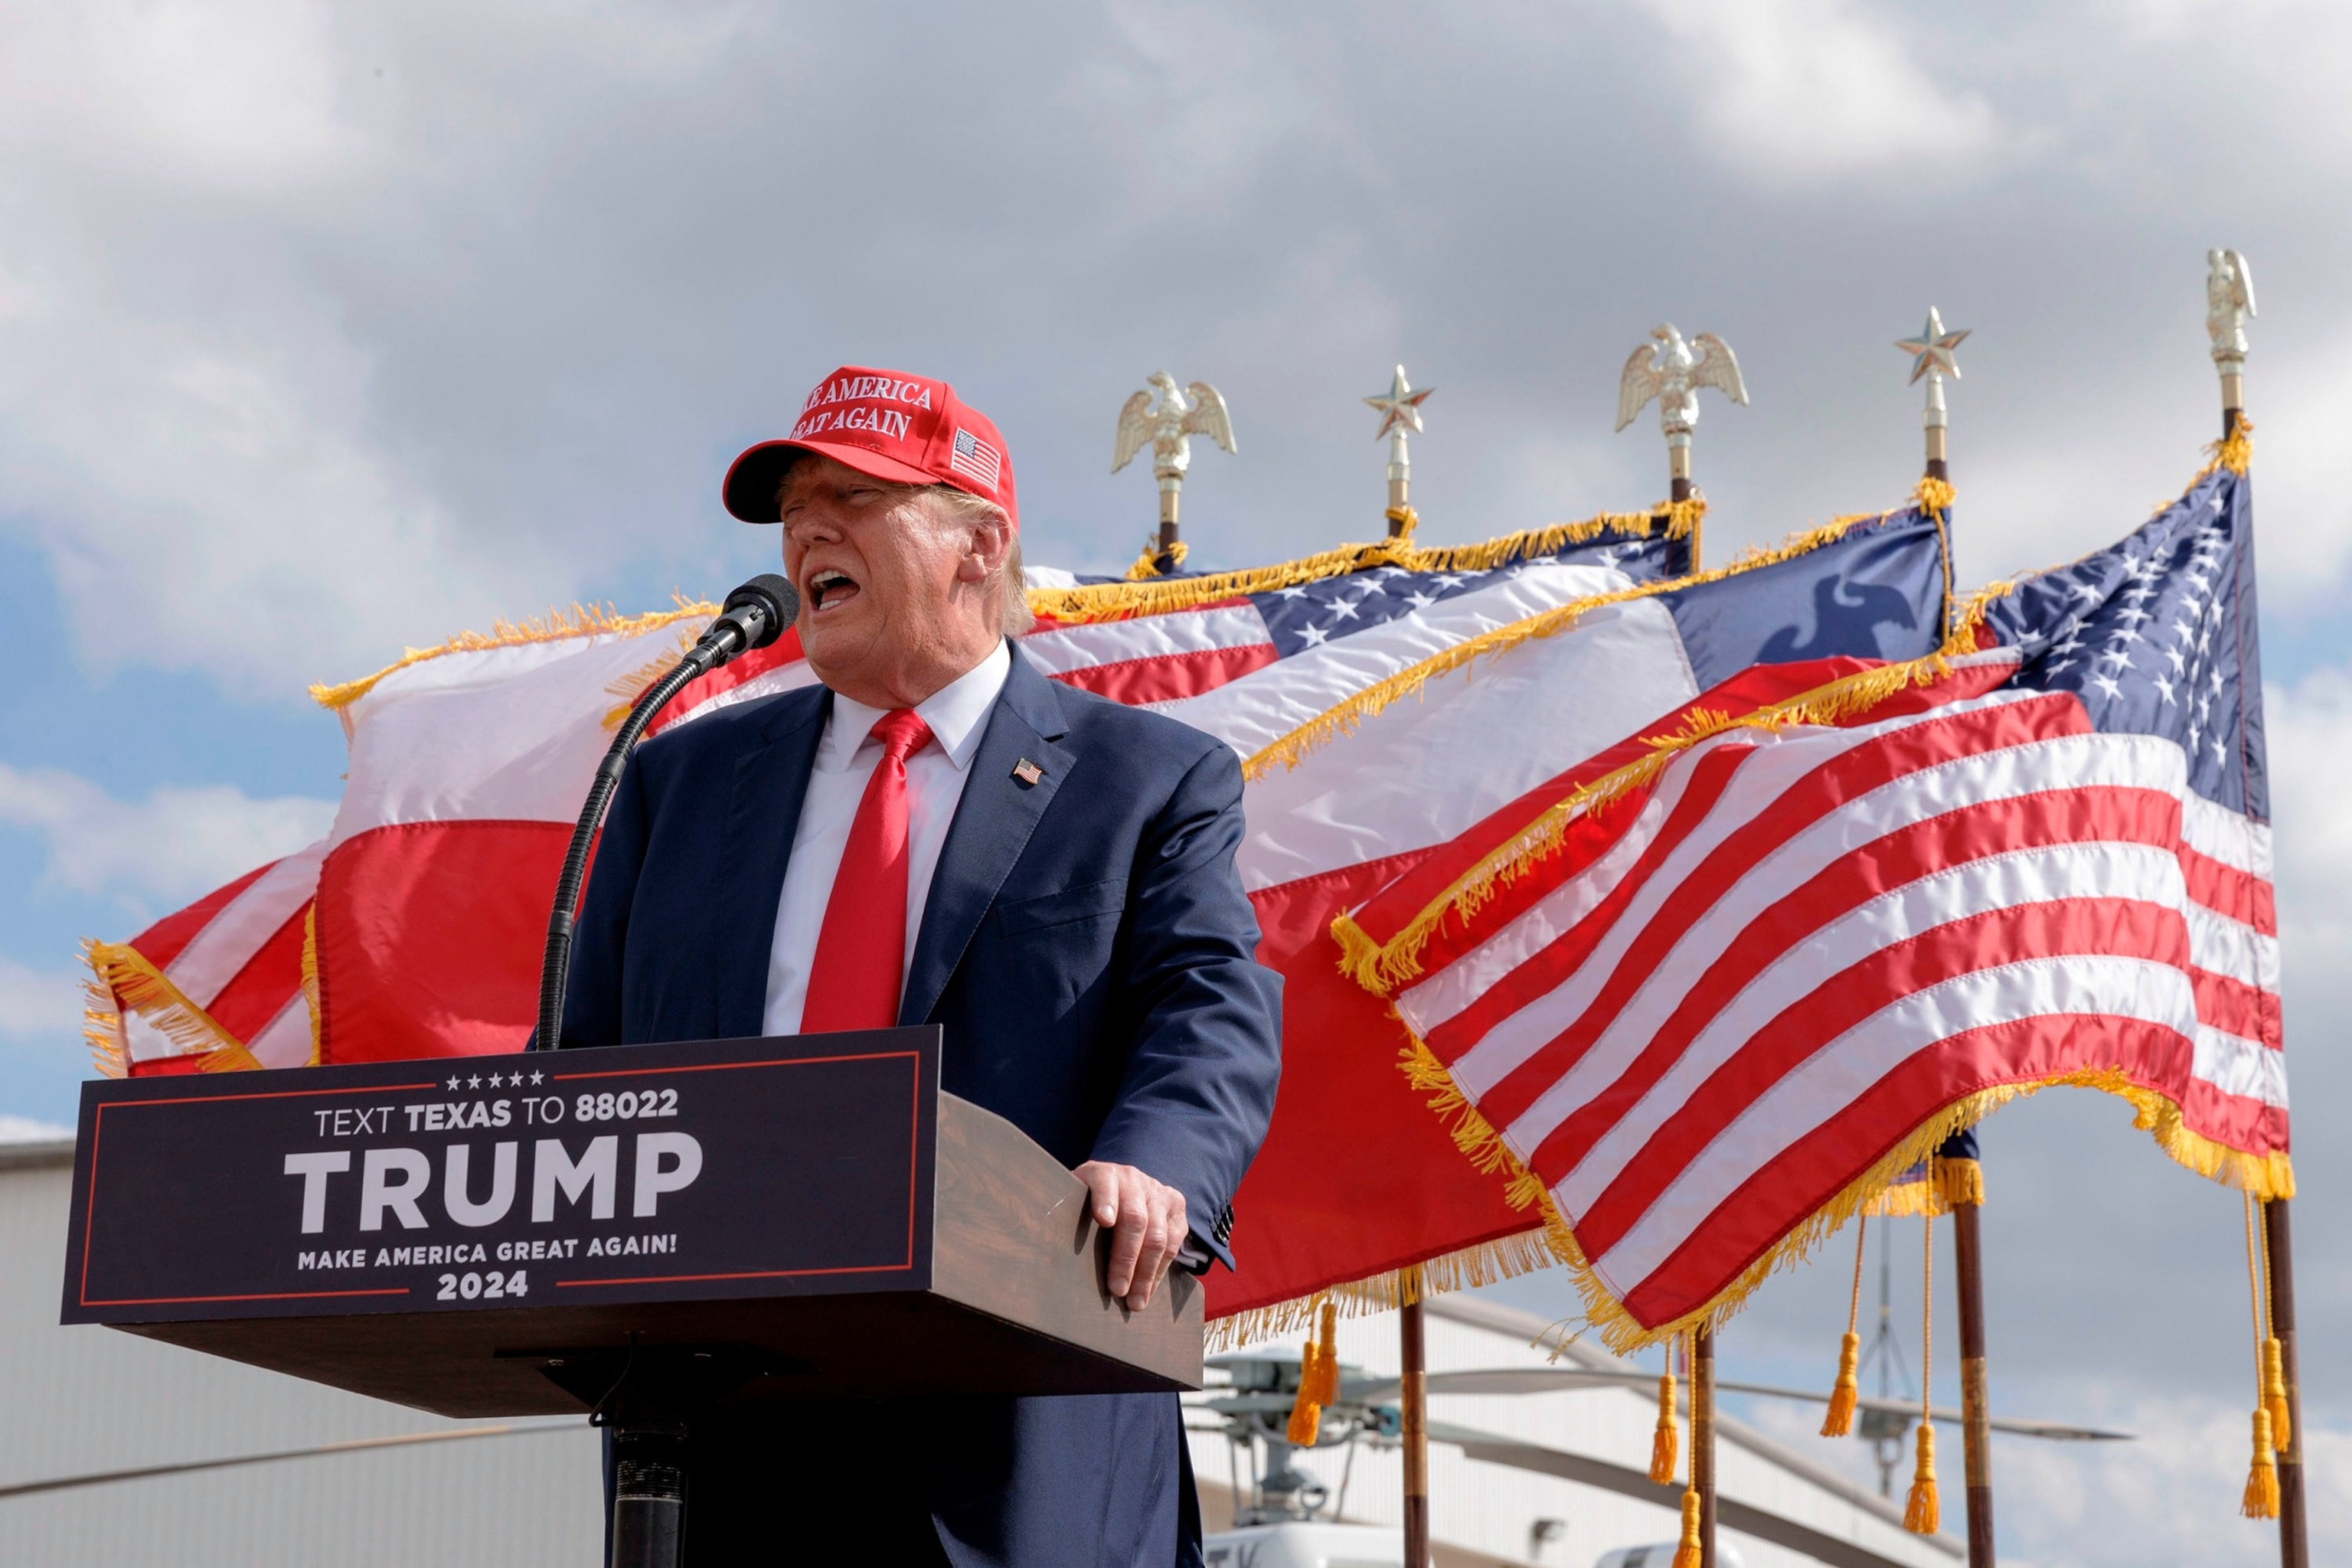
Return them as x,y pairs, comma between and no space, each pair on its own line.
1167,425
1672,370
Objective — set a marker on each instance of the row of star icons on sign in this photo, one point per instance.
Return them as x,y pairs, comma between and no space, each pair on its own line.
513,1081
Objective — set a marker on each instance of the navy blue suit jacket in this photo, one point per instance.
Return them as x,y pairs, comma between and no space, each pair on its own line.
1086,947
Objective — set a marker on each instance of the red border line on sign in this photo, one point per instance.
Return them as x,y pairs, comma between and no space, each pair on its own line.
90,1205
257,1296
753,1274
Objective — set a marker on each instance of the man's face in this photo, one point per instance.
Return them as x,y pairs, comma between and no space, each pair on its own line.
892,604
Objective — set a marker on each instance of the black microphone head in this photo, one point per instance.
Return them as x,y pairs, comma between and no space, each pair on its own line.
778,601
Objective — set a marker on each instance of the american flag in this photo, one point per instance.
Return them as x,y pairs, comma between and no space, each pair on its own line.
1742,975
975,458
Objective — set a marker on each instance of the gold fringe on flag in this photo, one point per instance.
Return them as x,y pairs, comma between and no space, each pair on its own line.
1622,1332
310,983
1089,602
1147,565
556,626
1343,718
1383,967
126,982
1484,1263
1846,1391
1923,1511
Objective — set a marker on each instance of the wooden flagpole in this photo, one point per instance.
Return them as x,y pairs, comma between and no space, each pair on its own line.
1932,360
1975,1415
1415,1401
2229,305
2294,1542
1702,1427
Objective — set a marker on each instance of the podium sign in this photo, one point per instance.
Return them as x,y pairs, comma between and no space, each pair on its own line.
440,1232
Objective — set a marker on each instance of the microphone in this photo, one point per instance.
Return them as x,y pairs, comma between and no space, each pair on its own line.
754,615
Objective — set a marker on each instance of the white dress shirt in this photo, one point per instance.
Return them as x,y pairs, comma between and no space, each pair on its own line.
845,755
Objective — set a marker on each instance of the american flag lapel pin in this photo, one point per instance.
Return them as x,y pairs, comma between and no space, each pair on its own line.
1027,772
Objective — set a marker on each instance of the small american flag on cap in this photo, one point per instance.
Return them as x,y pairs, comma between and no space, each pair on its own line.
975,458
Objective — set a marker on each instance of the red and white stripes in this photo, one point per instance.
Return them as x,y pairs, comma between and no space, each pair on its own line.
1795,940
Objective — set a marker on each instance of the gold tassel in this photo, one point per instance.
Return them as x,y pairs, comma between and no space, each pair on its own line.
1847,1391
1923,1511
1662,1455
1326,1361
1305,1413
1688,1551
2262,1500
2274,1394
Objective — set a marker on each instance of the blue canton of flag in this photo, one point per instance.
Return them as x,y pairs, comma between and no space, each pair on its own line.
1308,615
2157,637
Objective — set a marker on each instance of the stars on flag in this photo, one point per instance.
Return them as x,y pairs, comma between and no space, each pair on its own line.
1307,615
2168,593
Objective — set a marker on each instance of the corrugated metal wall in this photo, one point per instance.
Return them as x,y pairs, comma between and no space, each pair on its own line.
76,1400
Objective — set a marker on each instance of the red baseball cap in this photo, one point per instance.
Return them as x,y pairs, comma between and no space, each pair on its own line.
908,430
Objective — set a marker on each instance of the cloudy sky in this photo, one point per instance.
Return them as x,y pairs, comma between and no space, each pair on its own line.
329,331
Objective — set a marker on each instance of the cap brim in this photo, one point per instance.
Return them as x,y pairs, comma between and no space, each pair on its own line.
748,491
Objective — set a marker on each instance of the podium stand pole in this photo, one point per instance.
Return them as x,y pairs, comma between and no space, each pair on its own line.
648,1501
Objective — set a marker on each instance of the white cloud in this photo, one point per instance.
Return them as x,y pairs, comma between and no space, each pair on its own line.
2169,1495
25,1129
2310,733
178,844
39,1007
1805,92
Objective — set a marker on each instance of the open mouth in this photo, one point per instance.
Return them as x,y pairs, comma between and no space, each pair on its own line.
830,590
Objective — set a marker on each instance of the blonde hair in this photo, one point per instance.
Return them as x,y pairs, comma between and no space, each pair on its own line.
962,505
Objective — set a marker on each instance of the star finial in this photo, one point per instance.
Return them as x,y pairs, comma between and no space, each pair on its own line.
1399,405
1932,349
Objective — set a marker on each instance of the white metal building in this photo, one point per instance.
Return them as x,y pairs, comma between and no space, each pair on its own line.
78,1402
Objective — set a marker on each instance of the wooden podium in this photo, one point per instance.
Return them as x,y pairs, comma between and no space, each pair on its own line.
806,1217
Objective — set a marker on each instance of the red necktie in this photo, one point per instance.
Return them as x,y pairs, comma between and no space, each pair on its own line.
861,949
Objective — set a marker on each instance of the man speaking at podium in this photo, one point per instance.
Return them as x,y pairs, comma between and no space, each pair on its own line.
939,834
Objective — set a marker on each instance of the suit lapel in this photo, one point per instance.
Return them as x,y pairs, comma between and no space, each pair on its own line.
764,813
993,824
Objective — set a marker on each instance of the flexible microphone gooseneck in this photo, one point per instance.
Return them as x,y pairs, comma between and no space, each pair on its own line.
755,616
